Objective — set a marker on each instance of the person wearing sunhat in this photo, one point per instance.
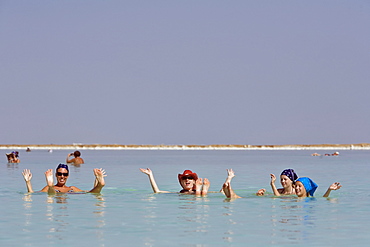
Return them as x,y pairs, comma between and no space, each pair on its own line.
188,180
306,187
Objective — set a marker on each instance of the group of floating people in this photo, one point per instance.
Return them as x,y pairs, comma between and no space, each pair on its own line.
188,180
291,183
333,154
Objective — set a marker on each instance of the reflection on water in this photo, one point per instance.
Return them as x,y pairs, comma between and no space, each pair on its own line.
62,216
291,219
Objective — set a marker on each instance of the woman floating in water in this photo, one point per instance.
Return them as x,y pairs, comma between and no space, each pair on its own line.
287,180
62,173
188,180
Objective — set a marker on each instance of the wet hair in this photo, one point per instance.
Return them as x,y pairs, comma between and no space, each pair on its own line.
62,166
76,154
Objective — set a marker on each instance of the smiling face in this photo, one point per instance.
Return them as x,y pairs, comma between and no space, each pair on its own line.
187,182
300,190
285,181
62,176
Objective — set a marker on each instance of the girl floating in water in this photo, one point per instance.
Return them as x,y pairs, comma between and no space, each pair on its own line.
287,180
305,187
188,180
62,173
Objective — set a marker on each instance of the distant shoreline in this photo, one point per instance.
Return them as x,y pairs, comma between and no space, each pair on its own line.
75,146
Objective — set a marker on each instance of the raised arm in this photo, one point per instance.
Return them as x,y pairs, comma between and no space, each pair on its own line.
27,175
334,186
99,180
149,172
69,160
273,186
49,188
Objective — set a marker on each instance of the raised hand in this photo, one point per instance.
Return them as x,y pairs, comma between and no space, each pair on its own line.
147,171
261,192
27,175
335,186
273,178
49,177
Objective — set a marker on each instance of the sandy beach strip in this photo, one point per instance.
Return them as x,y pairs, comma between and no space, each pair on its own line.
74,146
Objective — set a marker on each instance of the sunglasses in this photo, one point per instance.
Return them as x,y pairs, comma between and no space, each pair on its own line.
184,178
62,173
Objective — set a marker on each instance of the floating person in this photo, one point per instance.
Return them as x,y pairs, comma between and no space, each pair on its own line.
77,160
28,150
62,174
13,157
188,180
305,187
315,154
287,180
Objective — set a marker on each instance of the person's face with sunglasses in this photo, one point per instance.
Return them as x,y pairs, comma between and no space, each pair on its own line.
62,175
187,182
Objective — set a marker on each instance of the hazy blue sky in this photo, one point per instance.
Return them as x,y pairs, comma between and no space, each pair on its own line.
184,72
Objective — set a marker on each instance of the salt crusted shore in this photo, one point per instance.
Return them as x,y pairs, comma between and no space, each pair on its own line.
79,146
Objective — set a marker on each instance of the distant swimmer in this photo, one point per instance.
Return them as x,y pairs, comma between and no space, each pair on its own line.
188,180
315,154
62,174
13,157
28,150
77,160
334,154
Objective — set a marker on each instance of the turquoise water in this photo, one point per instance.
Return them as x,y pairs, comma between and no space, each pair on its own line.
127,213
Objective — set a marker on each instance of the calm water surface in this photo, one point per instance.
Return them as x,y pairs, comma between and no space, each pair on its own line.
127,213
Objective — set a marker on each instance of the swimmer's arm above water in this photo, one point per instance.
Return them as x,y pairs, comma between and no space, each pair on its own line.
334,186
152,180
27,175
273,186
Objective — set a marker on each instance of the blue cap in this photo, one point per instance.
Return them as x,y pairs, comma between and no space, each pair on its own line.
63,166
308,184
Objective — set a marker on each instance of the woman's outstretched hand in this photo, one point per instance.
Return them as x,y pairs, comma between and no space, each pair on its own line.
147,171
273,178
27,175
335,186
49,177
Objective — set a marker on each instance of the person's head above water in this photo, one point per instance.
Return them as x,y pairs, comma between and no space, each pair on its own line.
62,166
290,174
305,186
187,180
